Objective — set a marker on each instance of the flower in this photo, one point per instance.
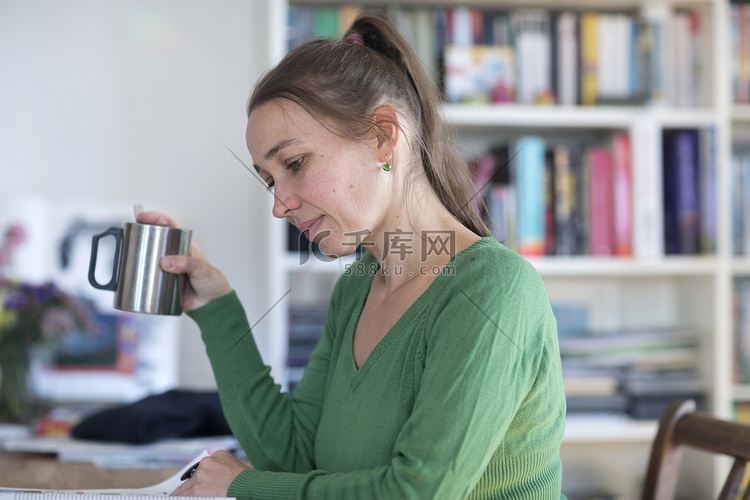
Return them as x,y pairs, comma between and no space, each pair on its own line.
33,313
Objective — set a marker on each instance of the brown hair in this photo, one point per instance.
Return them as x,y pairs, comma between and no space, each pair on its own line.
344,81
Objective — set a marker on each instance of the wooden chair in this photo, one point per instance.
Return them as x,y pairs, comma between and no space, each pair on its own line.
681,425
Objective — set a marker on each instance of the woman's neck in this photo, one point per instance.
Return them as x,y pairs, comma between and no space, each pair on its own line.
418,238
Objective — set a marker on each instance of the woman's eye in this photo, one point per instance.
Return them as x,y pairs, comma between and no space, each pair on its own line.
296,164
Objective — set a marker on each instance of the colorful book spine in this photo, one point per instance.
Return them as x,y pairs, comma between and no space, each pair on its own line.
601,210
589,58
533,39
622,195
567,58
565,241
326,22
708,180
681,198
737,204
648,210
745,204
549,204
528,172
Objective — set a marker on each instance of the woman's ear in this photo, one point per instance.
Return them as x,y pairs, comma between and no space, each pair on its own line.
386,130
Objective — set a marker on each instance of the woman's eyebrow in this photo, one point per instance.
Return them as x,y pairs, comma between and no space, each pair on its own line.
279,146
275,150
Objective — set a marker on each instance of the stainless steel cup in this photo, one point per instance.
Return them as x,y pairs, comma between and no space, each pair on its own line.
138,281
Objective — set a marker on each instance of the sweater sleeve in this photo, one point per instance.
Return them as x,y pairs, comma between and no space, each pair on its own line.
486,344
276,432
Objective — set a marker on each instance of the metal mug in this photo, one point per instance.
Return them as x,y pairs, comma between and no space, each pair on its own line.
139,283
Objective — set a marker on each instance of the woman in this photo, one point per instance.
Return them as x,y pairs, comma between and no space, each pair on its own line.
438,373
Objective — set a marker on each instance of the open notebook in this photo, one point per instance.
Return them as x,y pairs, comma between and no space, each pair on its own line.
157,491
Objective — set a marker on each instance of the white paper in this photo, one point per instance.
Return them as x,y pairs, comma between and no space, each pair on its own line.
165,453
156,491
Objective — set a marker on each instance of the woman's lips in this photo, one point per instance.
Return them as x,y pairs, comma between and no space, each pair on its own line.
310,228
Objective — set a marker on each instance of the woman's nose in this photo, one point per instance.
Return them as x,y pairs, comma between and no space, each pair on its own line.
284,202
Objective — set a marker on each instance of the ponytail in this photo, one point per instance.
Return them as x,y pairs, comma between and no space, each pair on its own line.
344,81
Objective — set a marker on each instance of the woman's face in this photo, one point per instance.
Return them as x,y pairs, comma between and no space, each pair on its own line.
333,189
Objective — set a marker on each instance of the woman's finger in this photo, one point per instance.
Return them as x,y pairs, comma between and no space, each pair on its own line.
194,267
181,490
157,219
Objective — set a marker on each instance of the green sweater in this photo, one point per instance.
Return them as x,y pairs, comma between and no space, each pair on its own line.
462,398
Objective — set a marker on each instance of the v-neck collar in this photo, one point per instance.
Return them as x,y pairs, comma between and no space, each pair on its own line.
356,375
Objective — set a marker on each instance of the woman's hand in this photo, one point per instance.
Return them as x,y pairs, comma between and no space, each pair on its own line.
205,283
212,477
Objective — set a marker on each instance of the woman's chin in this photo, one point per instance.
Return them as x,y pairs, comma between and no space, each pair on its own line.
335,249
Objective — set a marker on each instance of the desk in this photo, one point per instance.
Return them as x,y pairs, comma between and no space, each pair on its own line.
30,470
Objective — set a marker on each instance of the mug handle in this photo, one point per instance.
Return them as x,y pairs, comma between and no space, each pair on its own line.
117,233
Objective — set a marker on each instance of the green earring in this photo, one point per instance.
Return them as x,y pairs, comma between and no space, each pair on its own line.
387,166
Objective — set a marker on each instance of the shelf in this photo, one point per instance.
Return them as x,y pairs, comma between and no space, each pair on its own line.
741,392
608,429
741,114
623,267
741,266
583,266
615,117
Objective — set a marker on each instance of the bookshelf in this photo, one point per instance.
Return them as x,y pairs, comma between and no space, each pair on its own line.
645,289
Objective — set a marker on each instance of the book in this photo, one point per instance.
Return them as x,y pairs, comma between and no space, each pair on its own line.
347,14
549,204
648,210
567,58
622,195
326,22
528,172
425,42
589,60
581,198
503,203
656,54
157,491
479,73
707,194
533,45
613,60
564,187
681,192
737,213
601,211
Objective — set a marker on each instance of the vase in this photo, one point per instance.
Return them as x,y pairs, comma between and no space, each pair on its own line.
15,396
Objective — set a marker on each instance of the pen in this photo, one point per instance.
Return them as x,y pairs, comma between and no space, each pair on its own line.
190,471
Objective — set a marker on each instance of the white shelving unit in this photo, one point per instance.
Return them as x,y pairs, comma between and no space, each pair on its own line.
610,454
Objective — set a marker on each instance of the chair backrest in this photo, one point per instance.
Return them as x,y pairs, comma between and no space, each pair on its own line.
681,425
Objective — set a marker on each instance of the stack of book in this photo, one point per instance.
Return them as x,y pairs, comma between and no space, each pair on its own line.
634,372
689,181
559,198
555,197
542,56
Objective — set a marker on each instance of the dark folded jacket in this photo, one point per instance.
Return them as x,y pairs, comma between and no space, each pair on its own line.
173,414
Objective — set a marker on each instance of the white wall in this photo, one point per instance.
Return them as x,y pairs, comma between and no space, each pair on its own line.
132,101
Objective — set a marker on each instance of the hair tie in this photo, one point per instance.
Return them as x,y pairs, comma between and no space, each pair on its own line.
355,38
